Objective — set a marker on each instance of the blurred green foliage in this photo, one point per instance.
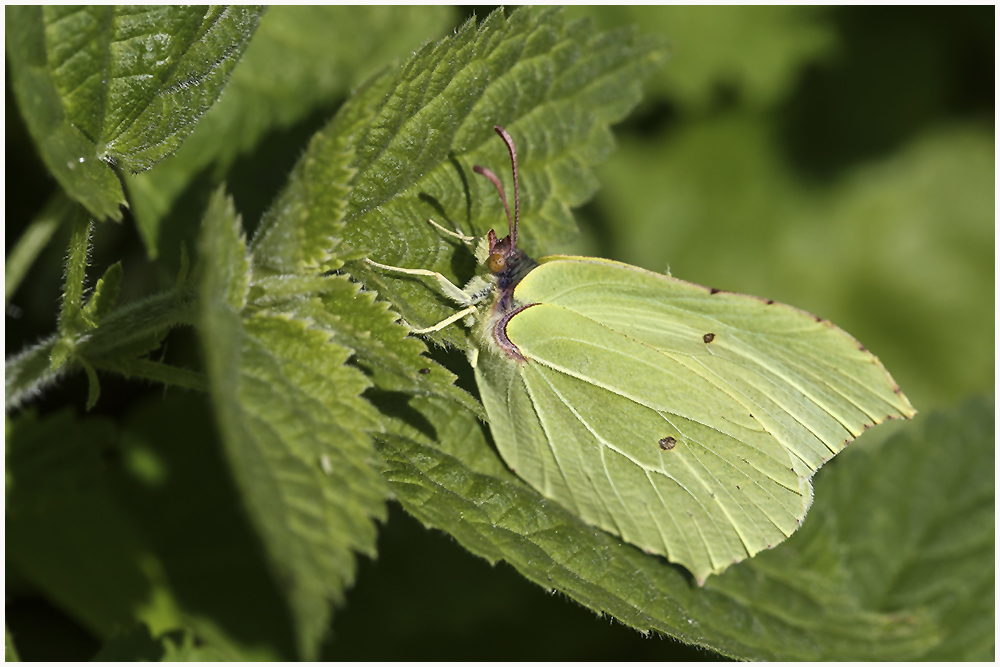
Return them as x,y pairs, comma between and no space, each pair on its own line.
841,160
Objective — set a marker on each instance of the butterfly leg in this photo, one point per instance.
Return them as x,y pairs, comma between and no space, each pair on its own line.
461,237
449,288
445,322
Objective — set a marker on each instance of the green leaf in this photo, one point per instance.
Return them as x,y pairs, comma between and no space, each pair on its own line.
29,372
555,86
301,60
93,384
392,359
301,230
844,587
103,86
105,295
293,428
367,181
67,533
758,52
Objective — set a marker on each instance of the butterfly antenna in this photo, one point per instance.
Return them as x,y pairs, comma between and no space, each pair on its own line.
513,165
483,171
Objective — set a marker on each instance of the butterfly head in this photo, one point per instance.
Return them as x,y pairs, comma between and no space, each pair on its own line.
501,254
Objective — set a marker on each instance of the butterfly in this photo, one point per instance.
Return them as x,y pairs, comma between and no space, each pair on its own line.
686,420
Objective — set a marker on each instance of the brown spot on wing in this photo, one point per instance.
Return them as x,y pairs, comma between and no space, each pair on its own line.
708,338
667,443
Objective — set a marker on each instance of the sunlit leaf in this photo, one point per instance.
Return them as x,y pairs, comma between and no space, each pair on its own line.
103,86
394,360
301,60
293,428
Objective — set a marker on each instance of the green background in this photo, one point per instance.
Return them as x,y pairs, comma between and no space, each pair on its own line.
840,160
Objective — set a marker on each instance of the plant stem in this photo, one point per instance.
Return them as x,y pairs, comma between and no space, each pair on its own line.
114,345
29,372
76,273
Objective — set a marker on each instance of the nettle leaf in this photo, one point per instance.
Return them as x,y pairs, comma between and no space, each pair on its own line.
388,161
105,295
393,360
301,59
555,85
102,86
301,231
294,430
872,575
70,535
29,372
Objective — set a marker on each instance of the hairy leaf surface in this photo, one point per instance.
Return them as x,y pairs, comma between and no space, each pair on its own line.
103,86
294,431
302,60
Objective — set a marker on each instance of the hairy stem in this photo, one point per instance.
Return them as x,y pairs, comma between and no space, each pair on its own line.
76,273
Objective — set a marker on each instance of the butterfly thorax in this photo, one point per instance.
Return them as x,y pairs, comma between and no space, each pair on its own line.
506,267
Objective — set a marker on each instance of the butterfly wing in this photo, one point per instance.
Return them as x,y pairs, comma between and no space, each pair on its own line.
686,421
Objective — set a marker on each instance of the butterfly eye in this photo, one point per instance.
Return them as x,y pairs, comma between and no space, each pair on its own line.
496,262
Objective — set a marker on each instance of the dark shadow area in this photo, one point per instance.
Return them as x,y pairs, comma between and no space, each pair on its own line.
899,70
195,523
426,598
455,361
651,117
396,405
255,179
43,633
150,493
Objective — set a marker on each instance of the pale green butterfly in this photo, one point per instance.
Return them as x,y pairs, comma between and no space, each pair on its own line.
686,420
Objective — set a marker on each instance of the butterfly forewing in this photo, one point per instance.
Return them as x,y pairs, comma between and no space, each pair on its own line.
809,383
